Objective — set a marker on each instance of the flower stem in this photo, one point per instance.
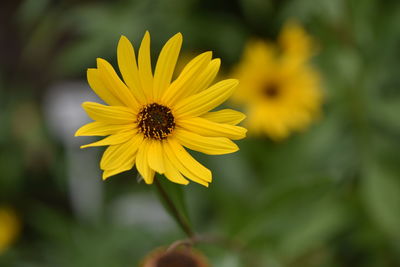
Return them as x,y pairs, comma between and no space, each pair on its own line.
173,210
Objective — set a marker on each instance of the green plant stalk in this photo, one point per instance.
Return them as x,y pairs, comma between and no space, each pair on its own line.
173,210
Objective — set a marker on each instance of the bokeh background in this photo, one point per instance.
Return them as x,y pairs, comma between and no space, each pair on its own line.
329,196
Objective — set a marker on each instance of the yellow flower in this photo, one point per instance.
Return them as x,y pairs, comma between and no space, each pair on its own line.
295,43
148,118
280,91
9,228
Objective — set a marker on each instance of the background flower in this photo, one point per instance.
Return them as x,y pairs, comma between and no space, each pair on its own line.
280,90
9,228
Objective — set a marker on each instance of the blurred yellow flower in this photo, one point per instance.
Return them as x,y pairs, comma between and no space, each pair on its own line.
295,43
280,91
9,228
148,118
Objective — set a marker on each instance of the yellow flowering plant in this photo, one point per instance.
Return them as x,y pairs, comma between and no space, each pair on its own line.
281,92
149,119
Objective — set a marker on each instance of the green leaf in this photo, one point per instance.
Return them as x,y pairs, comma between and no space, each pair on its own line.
313,228
381,192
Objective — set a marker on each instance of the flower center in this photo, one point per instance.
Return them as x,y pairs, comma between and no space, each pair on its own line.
177,259
271,90
155,121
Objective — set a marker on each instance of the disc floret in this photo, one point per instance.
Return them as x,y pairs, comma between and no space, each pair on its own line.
156,121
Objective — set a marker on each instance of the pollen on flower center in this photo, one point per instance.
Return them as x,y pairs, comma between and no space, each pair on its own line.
271,90
155,121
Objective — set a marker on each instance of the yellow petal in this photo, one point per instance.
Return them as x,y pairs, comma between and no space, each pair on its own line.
109,114
145,72
128,67
115,85
185,163
114,139
188,161
182,86
206,145
98,128
166,65
228,116
173,173
117,155
142,164
204,80
96,83
10,228
155,156
206,100
126,166
205,127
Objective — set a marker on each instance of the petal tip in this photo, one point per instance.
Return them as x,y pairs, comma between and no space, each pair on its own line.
105,175
235,81
123,41
100,62
178,35
217,61
147,182
77,133
85,104
84,146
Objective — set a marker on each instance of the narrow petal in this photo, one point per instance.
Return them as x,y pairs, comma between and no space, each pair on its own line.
115,85
117,155
155,156
166,65
96,83
206,145
205,127
187,160
182,86
128,68
228,116
145,72
204,80
125,167
196,62
185,163
142,164
173,173
98,128
206,100
109,114
114,139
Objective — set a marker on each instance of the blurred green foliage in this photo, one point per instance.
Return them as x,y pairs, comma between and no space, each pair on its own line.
326,197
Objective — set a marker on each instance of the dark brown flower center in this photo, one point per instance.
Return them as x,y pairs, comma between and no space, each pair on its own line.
271,90
155,121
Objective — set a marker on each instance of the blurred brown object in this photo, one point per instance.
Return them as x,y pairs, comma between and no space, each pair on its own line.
181,257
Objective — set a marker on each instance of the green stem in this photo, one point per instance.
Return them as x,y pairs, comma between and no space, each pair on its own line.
173,210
